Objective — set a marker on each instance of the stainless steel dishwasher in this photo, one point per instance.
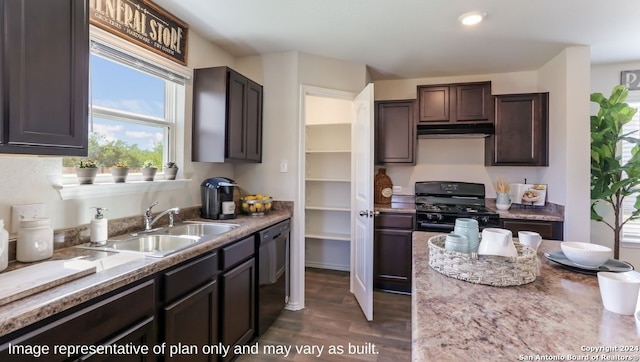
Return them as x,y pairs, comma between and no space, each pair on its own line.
273,274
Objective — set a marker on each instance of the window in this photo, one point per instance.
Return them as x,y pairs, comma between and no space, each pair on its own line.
631,230
132,115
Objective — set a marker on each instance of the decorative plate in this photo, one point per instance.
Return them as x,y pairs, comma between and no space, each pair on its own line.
612,265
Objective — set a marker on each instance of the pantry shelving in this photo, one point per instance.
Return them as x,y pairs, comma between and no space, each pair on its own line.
328,182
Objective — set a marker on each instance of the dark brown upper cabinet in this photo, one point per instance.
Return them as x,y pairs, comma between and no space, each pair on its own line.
227,117
451,103
45,77
522,134
395,132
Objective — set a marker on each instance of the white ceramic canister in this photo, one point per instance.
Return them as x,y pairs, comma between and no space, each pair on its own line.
4,247
35,240
469,228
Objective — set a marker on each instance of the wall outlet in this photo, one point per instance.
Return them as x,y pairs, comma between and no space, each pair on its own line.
397,189
19,212
284,166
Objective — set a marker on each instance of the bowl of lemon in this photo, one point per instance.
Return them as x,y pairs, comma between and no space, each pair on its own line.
256,205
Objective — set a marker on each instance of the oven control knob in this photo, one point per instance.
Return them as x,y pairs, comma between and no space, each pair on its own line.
439,217
485,219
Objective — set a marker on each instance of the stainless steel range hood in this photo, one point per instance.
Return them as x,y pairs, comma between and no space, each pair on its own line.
456,130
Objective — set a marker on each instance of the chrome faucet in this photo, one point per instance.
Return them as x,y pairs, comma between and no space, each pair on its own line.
149,220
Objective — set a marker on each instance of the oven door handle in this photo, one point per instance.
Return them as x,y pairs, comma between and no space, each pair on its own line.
436,226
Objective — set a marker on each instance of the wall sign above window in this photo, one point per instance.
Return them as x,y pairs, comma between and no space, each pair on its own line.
143,23
630,79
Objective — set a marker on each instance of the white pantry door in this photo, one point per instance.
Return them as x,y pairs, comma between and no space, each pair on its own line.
362,201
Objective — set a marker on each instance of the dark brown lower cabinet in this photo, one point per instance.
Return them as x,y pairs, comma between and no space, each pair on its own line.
392,252
552,230
238,305
193,321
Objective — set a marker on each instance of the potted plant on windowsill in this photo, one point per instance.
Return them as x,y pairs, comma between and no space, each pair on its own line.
119,172
148,170
611,179
86,171
170,170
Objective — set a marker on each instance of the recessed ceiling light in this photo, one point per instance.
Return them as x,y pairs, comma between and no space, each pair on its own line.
472,18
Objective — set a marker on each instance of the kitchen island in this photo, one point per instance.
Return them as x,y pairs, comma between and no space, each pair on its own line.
559,316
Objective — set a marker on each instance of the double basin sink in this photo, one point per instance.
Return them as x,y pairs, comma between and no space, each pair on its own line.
163,241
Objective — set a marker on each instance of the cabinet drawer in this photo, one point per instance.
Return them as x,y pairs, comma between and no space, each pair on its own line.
394,220
552,230
189,276
233,254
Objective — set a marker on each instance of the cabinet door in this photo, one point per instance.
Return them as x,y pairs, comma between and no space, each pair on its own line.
473,102
46,50
236,117
139,335
238,305
552,230
434,104
392,255
395,132
193,320
254,122
521,137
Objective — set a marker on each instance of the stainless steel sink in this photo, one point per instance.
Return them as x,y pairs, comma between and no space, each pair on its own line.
155,244
200,229
164,241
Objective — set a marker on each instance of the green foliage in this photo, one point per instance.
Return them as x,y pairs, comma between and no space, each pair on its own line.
611,180
171,164
87,164
148,164
107,153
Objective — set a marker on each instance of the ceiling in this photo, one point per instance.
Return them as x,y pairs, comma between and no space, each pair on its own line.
419,38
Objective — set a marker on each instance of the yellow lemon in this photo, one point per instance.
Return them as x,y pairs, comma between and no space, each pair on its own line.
267,206
258,207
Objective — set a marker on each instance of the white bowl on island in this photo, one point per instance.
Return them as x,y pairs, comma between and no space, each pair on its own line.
586,255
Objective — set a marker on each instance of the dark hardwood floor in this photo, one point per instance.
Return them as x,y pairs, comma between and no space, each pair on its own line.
332,317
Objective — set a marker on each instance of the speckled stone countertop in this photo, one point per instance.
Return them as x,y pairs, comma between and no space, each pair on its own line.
559,314
398,204
23,312
549,212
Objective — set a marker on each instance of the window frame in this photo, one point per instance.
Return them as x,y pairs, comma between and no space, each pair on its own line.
630,237
174,95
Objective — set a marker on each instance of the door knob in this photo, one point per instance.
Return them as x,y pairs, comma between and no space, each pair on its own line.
364,213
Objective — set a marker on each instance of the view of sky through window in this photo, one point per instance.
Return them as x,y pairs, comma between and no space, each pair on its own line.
119,87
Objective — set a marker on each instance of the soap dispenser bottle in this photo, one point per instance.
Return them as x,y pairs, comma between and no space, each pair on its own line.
99,228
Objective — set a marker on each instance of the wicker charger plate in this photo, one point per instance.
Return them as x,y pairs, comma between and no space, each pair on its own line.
484,269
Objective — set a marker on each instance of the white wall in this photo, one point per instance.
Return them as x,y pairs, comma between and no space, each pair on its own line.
603,78
567,78
29,179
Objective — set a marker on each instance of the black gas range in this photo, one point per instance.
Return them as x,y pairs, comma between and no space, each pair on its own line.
440,203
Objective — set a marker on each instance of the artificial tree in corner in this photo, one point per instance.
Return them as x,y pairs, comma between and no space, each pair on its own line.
611,180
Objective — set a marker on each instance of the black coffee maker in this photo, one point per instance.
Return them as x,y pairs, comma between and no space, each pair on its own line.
217,198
